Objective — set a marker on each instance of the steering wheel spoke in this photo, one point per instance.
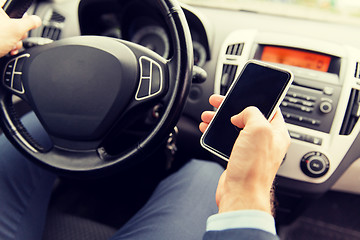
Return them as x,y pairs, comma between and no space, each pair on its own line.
153,73
12,74
152,79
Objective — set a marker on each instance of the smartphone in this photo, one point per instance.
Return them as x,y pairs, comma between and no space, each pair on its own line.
259,84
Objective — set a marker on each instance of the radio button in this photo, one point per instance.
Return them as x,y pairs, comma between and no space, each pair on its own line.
325,107
317,141
308,104
299,118
292,94
328,91
284,104
313,140
306,97
312,121
286,115
297,107
292,100
296,135
305,138
291,116
291,105
307,109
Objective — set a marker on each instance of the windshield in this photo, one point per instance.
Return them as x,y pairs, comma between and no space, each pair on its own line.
339,11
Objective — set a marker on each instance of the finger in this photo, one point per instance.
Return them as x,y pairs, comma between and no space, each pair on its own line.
28,23
278,123
14,52
18,45
248,115
203,126
2,2
215,100
24,36
3,13
278,118
16,48
207,116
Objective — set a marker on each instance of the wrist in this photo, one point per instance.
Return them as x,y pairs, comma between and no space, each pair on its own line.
245,202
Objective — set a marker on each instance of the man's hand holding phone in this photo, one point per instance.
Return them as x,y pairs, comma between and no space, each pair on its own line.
255,158
259,84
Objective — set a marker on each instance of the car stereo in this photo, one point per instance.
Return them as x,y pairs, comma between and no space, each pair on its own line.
322,106
312,99
309,103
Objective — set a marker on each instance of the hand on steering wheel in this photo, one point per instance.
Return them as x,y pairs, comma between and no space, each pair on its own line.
84,88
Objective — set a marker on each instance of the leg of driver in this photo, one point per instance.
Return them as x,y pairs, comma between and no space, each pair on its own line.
24,189
179,207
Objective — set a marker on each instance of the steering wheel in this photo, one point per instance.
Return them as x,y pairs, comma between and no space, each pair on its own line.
86,89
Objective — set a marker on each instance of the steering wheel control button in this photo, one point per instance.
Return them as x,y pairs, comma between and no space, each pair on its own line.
145,68
17,84
144,88
19,63
10,65
151,80
315,164
7,80
156,80
13,73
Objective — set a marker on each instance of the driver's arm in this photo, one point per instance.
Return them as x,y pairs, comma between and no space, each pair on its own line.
12,31
244,189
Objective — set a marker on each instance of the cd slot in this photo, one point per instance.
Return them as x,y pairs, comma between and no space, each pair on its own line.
296,83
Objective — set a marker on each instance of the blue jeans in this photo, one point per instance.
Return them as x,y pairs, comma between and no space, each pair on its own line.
177,209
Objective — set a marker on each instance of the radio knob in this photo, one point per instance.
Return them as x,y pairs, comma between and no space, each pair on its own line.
315,164
325,107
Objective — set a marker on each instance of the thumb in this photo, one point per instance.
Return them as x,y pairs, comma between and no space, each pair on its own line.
28,23
248,115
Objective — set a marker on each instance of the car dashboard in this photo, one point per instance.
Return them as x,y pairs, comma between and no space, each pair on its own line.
321,109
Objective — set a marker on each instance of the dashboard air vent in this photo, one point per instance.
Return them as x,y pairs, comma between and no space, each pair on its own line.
357,70
51,32
235,49
352,113
227,77
57,17
53,26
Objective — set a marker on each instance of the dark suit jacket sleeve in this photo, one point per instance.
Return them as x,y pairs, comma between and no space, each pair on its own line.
240,233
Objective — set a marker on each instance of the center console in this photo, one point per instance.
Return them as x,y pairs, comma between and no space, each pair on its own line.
322,106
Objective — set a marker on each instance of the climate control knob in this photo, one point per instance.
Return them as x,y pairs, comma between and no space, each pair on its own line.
315,164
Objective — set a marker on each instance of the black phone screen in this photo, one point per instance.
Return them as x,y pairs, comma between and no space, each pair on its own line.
258,86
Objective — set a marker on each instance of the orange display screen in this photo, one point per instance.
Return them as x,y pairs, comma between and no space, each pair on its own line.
296,58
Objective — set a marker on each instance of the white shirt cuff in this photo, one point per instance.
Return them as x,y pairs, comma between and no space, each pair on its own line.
255,219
